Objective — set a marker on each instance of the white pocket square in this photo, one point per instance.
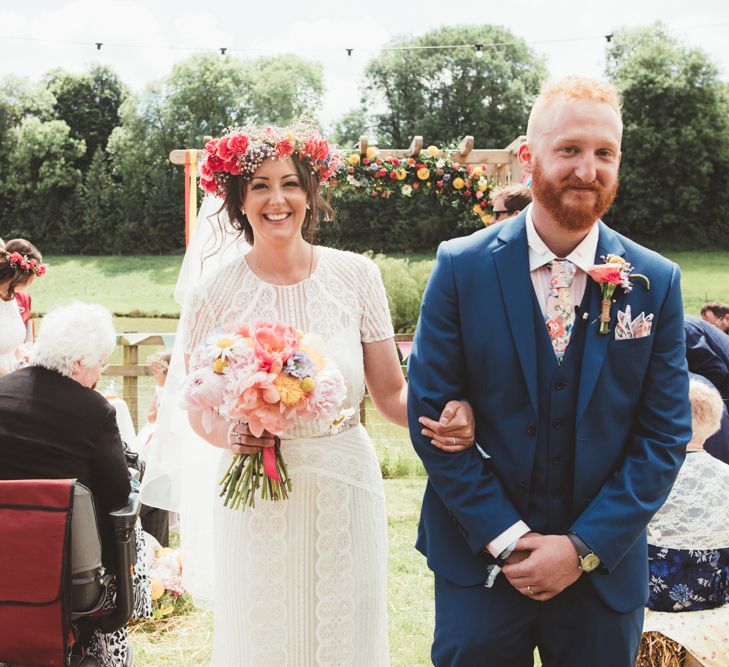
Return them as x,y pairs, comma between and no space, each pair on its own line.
628,328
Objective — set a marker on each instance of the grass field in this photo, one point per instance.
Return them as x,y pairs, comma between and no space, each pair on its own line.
143,285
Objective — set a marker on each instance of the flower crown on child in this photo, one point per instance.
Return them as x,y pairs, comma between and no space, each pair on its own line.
242,151
24,263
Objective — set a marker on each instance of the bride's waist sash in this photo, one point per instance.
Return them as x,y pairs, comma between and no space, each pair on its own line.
347,456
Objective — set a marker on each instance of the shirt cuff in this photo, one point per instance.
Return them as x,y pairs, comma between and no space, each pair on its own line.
512,534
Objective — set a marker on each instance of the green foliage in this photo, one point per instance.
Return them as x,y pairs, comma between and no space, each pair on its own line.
404,291
675,172
89,104
350,127
39,188
443,93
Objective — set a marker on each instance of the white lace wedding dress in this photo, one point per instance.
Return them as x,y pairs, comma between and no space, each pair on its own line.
12,334
302,582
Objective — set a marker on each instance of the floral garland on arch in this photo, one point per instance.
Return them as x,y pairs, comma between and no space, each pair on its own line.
431,173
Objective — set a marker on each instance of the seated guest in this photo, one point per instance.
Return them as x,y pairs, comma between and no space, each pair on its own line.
688,544
707,355
717,314
509,200
53,425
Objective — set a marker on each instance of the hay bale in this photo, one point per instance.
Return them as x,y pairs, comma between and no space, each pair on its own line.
657,650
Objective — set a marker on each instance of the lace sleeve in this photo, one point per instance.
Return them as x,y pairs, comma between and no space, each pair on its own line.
376,323
694,514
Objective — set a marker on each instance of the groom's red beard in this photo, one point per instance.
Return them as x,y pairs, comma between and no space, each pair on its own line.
578,216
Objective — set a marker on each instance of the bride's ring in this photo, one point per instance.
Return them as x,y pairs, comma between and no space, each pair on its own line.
531,592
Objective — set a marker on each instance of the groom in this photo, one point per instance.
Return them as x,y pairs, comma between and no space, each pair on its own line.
580,433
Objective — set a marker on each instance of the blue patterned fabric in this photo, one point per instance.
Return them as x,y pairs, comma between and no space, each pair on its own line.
687,580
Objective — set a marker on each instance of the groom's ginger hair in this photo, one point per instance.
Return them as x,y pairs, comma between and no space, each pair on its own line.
572,88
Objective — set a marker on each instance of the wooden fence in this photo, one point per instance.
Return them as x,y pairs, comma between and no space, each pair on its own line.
130,370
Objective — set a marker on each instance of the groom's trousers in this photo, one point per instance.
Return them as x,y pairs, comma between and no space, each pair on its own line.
500,627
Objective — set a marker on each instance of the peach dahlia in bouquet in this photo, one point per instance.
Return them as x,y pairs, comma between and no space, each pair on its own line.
270,376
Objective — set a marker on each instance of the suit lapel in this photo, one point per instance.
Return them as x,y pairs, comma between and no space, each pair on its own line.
512,268
596,345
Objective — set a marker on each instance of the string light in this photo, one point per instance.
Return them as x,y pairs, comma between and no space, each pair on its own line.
479,47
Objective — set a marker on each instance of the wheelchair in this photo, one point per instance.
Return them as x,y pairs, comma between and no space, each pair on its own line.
51,575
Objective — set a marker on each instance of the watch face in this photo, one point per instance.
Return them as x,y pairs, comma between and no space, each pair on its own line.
589,562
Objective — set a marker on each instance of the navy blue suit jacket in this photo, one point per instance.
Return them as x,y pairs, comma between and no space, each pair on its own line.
476,340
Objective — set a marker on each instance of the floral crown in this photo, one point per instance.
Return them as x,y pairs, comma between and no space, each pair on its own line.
24,263
243,151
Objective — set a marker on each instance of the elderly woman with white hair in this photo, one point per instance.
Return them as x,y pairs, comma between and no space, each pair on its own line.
53,425
688,550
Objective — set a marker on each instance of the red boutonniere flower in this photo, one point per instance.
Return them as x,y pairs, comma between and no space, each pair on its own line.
615,272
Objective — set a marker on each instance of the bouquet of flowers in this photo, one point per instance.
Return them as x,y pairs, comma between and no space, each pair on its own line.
168,595
269,376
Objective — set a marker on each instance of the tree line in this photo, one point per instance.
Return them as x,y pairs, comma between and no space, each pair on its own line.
84,168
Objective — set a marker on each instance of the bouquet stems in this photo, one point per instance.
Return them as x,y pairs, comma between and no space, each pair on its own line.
246,474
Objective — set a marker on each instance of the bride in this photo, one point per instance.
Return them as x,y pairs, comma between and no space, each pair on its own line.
302,581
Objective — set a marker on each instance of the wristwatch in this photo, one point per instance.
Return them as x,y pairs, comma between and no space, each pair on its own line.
589,560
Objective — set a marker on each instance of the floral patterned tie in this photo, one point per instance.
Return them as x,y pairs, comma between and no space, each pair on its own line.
560,310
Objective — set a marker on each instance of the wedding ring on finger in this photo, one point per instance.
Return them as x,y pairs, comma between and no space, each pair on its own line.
531,592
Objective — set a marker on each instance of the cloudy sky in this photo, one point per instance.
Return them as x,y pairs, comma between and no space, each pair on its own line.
143,39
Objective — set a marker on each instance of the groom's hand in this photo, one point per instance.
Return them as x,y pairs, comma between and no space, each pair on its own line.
551,566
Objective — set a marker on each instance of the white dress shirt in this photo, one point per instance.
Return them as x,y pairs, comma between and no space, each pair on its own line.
583,257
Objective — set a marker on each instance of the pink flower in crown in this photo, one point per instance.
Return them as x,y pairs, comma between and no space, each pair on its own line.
315,149
606,273
205,170
41,270
273,344
224,151
285,148
231,166
239,143
209,185
16,257
215,163
211,147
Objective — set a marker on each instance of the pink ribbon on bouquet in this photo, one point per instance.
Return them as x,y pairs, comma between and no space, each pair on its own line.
269,460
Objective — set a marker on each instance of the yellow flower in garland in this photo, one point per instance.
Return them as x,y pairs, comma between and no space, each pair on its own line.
423,173
289,388
401,174
476,173
432,151
477,209
353,159
458,183
372,152
482,185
